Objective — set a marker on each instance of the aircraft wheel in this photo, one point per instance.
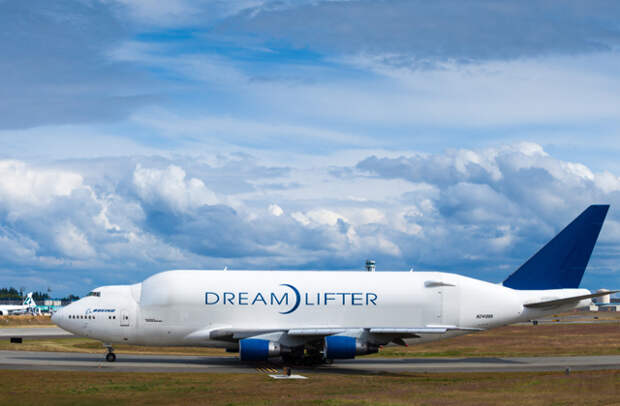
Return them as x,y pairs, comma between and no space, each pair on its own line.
110,357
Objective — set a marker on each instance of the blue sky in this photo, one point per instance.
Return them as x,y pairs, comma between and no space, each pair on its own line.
138,136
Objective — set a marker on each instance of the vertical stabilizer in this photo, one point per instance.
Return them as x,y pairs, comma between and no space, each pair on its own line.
561,263
29,301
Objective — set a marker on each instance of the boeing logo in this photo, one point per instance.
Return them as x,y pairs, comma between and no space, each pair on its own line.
291,298
90,311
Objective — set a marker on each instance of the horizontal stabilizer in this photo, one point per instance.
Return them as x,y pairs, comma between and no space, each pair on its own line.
568,300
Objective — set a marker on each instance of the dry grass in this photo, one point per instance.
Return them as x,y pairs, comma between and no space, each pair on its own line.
25,321
522,340
96,388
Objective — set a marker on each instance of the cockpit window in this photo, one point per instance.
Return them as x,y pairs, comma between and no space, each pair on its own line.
98,294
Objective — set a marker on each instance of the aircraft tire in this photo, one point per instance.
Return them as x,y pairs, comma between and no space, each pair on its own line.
110,357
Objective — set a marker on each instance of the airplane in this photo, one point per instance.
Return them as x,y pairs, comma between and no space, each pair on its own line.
28,305
318,316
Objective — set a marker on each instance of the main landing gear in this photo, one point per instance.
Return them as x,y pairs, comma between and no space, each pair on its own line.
110,356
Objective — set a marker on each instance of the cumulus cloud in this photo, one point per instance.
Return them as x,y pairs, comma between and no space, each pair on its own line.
72,242
275,210
170,187
22,185
477,212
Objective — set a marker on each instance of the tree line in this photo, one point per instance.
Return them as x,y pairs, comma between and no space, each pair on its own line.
19,294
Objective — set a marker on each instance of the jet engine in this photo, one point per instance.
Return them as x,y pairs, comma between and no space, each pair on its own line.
256,349
340,347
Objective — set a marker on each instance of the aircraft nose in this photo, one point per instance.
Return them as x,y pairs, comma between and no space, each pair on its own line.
57,317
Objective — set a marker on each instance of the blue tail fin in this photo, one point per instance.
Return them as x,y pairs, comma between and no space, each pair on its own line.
561,263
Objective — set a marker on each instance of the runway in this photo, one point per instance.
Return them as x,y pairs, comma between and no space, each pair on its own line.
165,363
37,332
177,363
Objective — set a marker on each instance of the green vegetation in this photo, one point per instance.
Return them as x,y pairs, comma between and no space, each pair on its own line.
14,294
96,388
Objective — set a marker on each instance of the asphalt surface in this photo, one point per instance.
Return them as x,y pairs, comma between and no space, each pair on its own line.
34,332
166,363
176,363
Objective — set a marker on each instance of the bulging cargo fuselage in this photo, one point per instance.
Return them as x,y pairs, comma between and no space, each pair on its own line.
182,308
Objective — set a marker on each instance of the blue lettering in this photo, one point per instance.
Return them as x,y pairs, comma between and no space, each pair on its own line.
214,300
230,300
259,298
274,298
244,299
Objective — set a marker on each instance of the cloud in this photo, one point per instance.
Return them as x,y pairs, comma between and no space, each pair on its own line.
73,243
169,187
176,12
502,202
478,212
437,31
275,210
23,188
57,72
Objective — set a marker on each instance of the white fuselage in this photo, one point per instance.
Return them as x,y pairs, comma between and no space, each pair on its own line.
179,308
13,309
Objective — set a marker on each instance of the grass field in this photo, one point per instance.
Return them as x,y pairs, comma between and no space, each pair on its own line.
96,388
332,389
25,321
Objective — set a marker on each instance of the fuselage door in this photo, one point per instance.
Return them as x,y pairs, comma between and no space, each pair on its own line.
450,305
444,302
124,318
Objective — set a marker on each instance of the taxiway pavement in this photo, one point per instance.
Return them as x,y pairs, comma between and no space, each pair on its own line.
171,363
37,332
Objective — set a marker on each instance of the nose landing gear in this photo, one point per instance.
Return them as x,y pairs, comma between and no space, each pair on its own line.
110,356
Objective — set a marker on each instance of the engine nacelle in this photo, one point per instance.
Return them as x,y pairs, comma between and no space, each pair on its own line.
256,349
341,347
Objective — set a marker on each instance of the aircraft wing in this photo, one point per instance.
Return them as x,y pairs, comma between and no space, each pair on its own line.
230,334
567,300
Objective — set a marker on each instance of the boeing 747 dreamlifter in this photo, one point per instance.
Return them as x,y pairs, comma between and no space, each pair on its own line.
322,316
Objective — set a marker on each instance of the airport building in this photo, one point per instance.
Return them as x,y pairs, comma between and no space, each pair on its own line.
603,303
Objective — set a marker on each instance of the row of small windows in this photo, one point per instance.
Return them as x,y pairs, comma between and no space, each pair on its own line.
92,317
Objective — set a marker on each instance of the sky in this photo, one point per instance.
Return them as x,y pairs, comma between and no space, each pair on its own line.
460,136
